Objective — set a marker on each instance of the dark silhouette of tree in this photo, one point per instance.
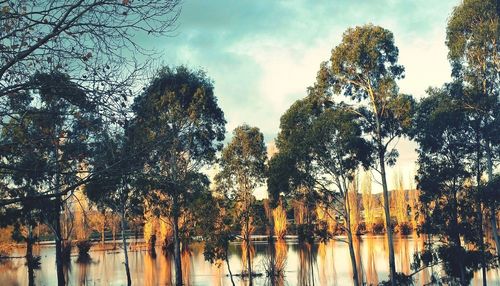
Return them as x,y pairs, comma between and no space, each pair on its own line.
446,170
473,43
180,124
96,42
45,147
117,164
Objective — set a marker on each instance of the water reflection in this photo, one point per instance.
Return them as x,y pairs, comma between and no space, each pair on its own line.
305,264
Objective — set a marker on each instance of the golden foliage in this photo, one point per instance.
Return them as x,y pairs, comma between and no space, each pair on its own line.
279,218
368,202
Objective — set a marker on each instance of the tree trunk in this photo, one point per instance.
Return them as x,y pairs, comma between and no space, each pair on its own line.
480,210
392,264
249,259
103,227
59,254
125,250
229,267
29,244
29,256
347,209
177,246
493,211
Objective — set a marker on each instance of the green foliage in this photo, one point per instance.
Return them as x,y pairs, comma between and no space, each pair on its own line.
179,127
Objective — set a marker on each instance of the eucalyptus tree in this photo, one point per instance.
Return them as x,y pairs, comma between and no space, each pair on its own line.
329,142
44,148
446,170
117,165
474,51
177,120
242,170
364,68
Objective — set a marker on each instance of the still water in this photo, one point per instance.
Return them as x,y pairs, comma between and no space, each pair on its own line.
318,264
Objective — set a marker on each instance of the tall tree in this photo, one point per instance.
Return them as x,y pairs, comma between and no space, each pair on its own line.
327,148
117,165
446,169
242,171
45,148
364,68
180,124
472,37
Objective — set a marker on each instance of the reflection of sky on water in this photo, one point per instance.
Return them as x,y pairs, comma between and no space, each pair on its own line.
319,264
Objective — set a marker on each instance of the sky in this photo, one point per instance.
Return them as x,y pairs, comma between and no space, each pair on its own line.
262,55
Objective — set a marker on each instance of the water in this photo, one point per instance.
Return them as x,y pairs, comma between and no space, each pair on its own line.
318,264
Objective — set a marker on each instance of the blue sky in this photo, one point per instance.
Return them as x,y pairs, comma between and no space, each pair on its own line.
262,55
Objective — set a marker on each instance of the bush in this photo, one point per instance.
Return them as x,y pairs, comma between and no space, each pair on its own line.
83,247
378,227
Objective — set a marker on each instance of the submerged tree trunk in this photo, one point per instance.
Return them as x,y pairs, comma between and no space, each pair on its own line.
125,250
59,246
480,210
392,264
229,267
249,259
347,209
177,246
493,211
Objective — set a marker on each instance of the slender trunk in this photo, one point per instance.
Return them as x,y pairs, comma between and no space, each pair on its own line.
493,211
229,267
29,244
113,233
392,264
249,259
455,236
59,254
177,246
103,227
125,250
347,209
480,210
29,256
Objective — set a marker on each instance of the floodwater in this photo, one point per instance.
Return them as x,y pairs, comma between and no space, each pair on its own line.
317,264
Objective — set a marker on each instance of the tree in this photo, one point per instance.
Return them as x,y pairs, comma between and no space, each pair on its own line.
91,41
45,147
242,170
473,43
116,163
178,121
364,68
444,177
217,228
328,148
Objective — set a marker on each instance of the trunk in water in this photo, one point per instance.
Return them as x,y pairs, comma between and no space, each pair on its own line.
29,256
59,246
125,250
392,264
177,248
229,267
249,259
493,211
347,209
480,210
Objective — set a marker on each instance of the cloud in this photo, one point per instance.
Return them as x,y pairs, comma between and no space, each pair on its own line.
262,55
